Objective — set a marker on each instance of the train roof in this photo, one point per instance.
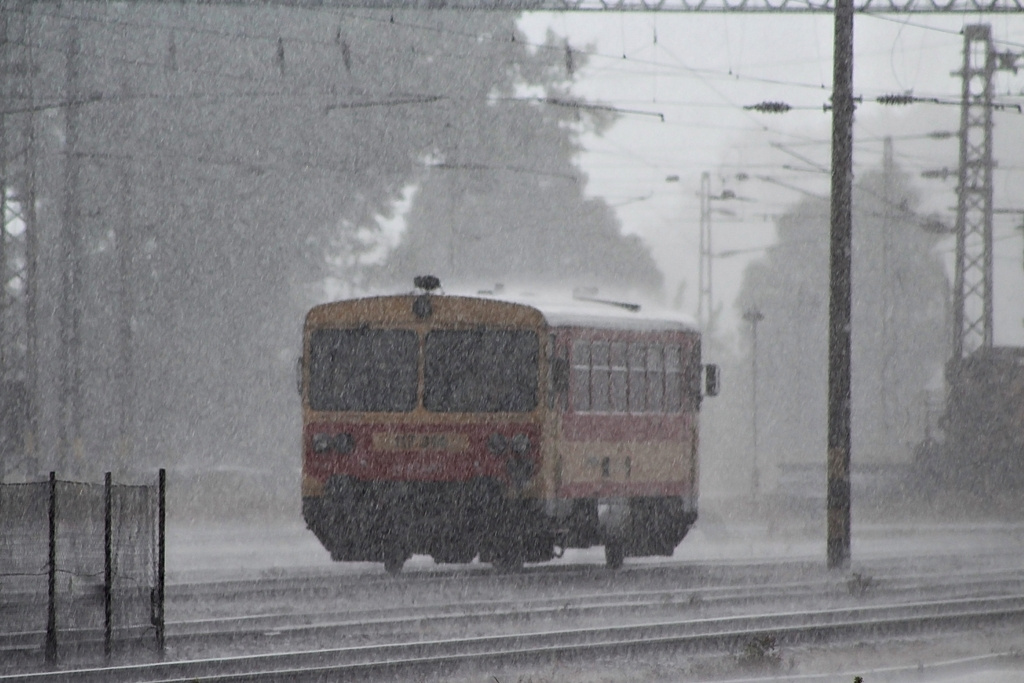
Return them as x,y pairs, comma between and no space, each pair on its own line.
566,310
569,311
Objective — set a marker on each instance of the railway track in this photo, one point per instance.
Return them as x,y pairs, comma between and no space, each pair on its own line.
488,615
206,609
740,604
686,636
306,617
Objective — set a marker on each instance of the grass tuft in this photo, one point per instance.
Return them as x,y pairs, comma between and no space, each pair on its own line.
761,652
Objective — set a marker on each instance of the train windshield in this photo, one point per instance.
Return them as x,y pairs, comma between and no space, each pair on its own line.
363,370
481,370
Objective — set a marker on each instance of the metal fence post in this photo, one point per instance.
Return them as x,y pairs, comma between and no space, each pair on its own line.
108,562
161,559
51,614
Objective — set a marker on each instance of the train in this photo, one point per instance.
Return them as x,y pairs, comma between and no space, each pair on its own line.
504,428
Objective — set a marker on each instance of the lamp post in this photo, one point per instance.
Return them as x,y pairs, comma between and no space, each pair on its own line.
753,315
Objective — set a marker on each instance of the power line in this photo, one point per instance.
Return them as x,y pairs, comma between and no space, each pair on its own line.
951,32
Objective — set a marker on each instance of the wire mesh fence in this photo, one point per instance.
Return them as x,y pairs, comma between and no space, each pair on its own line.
81,565
24,552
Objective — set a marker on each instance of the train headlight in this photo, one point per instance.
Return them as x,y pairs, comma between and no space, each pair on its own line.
497,444
520,444
321,443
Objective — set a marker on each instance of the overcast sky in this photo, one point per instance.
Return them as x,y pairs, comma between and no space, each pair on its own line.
700,71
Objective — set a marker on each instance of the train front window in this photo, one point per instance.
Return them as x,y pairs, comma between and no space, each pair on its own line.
481,370
363,370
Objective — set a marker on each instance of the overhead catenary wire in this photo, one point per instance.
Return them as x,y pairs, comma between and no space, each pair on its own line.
275,39
333,43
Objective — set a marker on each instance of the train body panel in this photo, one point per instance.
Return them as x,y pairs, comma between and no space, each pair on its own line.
459,425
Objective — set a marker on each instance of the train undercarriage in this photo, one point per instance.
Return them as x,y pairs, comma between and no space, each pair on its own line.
454,522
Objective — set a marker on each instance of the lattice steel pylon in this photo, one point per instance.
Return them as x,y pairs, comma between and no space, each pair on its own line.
972,286
17,245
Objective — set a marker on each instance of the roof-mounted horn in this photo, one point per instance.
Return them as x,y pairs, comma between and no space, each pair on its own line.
428,283
421,307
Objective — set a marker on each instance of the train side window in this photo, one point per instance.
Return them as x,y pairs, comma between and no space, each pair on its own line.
673,379
655,379
637,362
619,378
694,373
580,376
600,377
558,368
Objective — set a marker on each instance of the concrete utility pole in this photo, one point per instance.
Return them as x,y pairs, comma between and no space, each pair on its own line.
704,300
840,291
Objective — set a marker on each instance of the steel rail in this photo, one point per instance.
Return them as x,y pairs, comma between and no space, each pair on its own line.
712,634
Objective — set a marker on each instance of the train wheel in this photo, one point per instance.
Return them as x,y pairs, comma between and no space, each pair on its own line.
614,554
508,561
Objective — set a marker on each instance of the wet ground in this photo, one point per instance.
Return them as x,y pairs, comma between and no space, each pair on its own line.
239,549
236,549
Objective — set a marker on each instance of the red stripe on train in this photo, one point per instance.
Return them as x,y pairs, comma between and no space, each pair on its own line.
622,489
399,452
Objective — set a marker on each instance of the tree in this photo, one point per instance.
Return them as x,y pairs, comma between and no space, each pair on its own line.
261,145
899,319
479,231
504,201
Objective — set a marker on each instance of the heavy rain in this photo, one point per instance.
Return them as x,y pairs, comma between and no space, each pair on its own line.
490,341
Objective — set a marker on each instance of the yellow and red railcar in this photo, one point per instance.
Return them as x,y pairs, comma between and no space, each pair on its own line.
456,426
